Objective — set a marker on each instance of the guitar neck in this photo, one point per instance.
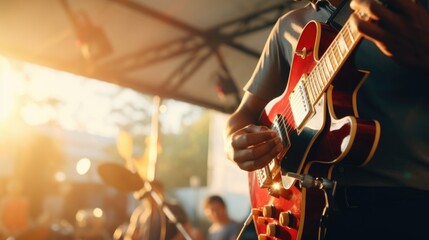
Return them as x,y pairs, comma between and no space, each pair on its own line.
331,62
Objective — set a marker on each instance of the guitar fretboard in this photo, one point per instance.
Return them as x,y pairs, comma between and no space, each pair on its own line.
331,61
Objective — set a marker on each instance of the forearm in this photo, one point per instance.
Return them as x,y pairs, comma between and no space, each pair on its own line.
237,121
247,113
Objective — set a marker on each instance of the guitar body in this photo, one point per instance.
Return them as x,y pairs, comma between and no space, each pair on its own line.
329,133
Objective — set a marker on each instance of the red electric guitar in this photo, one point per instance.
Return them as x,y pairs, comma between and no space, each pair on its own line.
317,120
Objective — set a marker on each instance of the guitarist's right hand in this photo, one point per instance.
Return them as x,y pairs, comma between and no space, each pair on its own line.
248,144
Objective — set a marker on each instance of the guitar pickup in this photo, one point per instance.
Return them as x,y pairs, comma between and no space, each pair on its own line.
300,104
280,126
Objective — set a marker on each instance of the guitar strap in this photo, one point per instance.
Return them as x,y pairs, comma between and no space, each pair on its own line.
340,15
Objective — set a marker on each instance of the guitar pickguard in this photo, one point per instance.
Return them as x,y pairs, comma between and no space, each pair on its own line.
294,160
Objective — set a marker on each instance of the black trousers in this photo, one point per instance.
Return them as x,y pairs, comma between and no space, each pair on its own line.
367,213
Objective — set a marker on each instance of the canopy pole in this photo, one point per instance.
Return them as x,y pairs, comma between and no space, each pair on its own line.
153,144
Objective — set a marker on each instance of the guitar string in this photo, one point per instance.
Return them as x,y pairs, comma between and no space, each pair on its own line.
312,79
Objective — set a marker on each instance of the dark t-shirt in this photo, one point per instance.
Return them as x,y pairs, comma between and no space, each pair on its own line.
394,95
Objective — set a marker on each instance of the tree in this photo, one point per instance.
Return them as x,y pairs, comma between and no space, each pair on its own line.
184,155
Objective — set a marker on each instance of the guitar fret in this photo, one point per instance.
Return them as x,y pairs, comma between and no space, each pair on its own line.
327,66
330,71
313,82
334,63
325,74
322,71
348,39
315,92
354,34
316,79
316,74
342,45
338,51
352,38
347,29
325,71
324,78
337,55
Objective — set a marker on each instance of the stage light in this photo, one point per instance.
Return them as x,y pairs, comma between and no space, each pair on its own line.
91,39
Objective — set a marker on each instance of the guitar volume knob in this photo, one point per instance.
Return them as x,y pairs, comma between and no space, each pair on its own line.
275,231
269,211
287,219
271,229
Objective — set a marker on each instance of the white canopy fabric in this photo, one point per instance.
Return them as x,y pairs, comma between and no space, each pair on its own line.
197,51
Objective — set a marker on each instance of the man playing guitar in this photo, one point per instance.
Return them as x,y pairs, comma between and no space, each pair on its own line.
383,120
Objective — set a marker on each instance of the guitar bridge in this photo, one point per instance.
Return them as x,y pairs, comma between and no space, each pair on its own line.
264,177
267,175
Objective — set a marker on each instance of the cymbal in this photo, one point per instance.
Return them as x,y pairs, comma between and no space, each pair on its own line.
120,177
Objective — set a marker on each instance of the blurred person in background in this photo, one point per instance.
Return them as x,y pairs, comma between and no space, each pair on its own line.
222,226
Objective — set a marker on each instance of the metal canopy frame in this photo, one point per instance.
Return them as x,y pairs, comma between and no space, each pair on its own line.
198,45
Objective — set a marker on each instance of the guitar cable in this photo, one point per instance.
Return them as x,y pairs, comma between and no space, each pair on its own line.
245,224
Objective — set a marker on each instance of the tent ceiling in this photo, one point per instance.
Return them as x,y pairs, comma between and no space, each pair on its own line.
198,51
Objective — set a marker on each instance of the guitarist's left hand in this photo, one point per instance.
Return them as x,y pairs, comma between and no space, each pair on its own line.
399,30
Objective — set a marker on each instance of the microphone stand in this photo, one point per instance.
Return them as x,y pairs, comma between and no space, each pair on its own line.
149,189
